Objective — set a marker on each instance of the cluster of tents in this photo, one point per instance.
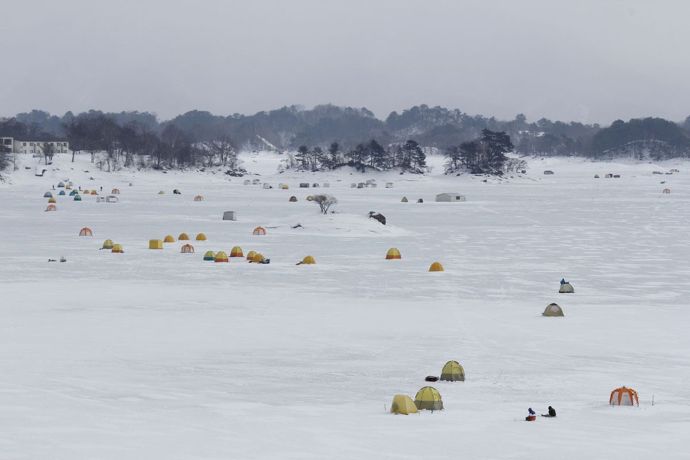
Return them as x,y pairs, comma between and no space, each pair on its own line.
76,195
428,397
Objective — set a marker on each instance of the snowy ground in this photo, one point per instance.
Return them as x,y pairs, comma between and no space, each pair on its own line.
157,354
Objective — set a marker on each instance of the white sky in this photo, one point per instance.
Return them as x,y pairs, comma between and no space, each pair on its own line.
586,60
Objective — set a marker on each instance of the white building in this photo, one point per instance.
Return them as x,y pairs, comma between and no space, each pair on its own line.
33,146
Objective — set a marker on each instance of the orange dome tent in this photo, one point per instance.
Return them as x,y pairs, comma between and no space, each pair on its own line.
183,237
259,231
86,231
115,191
624,397
393,254
51,207
236,251
169,239
187,249
436,267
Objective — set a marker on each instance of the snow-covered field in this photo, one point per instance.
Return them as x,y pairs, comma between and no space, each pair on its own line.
160,355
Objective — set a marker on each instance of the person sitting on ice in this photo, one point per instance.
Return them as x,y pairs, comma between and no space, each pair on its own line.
532,416
563,281
552,412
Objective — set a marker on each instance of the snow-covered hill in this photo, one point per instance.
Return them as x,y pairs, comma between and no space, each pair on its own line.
158,354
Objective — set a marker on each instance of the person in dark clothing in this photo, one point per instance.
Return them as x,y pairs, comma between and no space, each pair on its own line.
563,281
552,412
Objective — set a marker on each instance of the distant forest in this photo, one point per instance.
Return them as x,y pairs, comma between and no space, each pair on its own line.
201,138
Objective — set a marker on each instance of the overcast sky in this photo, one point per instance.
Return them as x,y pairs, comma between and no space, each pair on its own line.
585,60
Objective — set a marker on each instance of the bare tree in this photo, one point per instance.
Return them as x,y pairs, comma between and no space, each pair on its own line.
224,149
325,202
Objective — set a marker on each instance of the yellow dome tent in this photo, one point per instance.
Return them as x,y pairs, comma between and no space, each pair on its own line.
86,231
209,255
403,404
553,309
236,251
187,249
393,254
428,398
201,237
52,200
436,267
117,249
183,237
308,260
169,239
107,244
221,257
453,372
250,254
257,257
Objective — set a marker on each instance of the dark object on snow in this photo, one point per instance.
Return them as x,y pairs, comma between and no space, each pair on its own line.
63,259
431,378
532,416
297,226
420,201
380,217
552,412
177,192
52,260
265,261
563,281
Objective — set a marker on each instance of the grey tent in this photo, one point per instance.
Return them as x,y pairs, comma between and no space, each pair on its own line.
566,288
553,309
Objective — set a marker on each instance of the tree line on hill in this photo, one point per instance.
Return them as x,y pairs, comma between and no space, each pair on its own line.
327,136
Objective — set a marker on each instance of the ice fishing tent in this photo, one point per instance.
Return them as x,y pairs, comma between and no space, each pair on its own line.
404,199
553,309
107,244
111,199
201,237
257,258
52,200
403,404
436,267
283,186
259,231
117,249
453,372
308,260
51,207
155,244
666,191
428,398
161,192
393,254
221,257
73,193
209,255
77,197
566,288
449,197
250,254
183,237
115,191
62,192
293,199
86,231
624,397
61,184
169,239
187,249
229,215
199,198
236,251
47,195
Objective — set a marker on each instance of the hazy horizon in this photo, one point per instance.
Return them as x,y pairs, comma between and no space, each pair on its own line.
592,61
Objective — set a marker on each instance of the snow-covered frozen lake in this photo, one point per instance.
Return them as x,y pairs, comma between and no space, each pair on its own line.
158,354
